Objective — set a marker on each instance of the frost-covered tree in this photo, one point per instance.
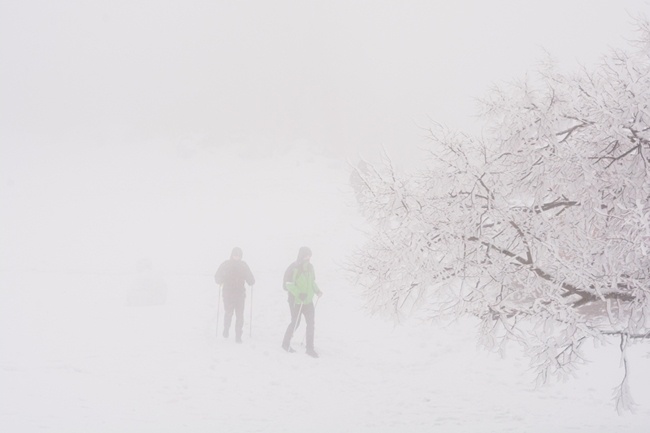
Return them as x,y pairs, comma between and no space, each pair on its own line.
540,228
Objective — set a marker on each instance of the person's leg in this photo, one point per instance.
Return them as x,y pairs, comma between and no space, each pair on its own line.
286,342
309,312
229,308
240,301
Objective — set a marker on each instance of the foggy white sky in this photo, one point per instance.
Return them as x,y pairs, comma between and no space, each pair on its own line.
342,74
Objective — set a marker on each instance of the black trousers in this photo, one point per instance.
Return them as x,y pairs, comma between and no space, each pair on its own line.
233,302
297,310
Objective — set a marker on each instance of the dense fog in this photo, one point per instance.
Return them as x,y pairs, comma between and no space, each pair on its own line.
140,141
344,76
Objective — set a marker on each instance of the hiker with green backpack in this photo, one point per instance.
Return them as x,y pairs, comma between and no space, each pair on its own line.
300,284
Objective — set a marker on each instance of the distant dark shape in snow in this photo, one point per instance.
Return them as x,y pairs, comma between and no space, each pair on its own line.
148,289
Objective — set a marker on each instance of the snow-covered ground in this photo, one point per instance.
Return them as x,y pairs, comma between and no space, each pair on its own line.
108,309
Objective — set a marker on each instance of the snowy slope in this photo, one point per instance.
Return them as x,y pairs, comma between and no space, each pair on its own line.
93,340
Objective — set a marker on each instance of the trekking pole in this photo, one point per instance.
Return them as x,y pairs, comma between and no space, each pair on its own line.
218,307
250,325
298,318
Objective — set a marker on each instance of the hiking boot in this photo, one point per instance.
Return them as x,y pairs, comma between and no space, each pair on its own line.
288,348
312,353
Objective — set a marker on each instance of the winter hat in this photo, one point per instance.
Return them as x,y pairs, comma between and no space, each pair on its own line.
304,252
236,252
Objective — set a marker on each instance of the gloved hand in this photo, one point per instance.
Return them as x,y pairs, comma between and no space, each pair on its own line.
302,296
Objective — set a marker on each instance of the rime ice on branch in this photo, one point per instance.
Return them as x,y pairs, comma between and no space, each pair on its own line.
541,228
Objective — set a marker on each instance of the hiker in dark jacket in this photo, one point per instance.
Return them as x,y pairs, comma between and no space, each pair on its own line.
300,283
232,274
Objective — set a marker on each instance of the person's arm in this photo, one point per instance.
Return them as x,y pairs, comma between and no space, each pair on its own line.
250,279
218,276
293,287
297,291
288,277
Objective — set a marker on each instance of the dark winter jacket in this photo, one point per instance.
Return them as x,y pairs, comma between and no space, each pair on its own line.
233,274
